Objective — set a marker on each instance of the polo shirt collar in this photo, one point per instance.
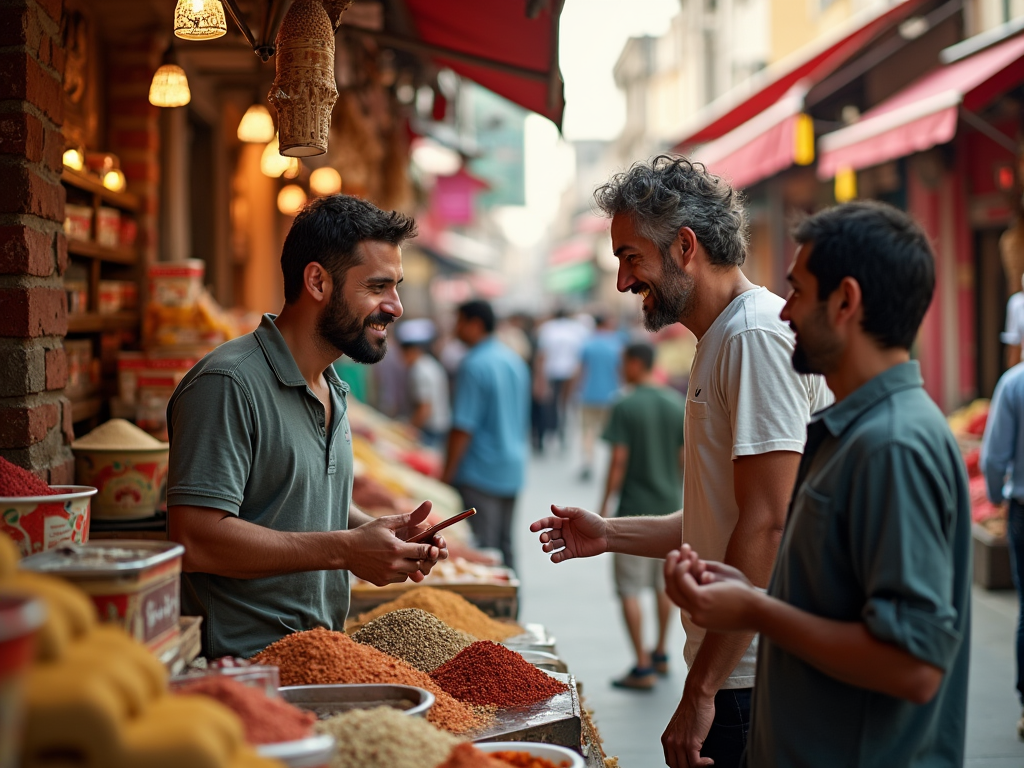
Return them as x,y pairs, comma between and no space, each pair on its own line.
280,357
841,415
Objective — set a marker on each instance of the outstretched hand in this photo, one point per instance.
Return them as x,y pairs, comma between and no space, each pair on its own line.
572,532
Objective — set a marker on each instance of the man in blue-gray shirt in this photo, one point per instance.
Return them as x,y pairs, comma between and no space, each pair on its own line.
487,444
1002,461
865,627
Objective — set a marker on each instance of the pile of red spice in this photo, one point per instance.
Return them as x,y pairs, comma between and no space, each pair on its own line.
266,720
15,481
322,657
465,755
486,673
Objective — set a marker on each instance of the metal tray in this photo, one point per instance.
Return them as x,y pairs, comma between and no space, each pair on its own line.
303,753
535,638
328,700
546,661
554,721
103,559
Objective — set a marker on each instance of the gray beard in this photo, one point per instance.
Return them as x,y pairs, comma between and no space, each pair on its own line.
672,301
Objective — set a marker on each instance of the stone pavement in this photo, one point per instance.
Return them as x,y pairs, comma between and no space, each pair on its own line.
577,603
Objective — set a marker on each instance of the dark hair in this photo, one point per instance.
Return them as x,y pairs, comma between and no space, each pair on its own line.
670,193
481,310
886,252
328,230
642,352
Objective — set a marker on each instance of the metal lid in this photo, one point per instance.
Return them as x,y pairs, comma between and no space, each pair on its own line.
117,557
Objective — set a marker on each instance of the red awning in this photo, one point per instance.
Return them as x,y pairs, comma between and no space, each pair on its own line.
925,113
808,65
496,45
758,149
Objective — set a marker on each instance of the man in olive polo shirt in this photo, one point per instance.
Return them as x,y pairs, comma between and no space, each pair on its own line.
866,623
259,486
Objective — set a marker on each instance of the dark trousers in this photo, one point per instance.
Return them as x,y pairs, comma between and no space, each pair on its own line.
492,523
1015,537
728,735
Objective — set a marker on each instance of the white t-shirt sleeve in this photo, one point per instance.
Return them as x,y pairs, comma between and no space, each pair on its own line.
767,401
1014,320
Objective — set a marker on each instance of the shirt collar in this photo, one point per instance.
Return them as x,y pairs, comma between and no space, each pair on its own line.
280,357
841,415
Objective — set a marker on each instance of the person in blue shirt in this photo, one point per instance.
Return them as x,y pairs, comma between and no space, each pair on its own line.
487,444
1002,461
598,382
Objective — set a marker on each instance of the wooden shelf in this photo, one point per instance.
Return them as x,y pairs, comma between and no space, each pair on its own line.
125,200
85,409
94,322
91,250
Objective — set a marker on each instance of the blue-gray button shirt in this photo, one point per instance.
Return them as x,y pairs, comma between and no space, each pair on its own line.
1002,451
250,438
878,532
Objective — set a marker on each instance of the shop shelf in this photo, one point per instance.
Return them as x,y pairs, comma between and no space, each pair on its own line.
124,200
92,250
85,409
94,322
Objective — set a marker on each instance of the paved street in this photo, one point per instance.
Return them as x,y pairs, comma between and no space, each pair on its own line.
576,601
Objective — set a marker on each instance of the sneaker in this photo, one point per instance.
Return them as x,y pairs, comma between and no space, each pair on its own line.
637,679
660,661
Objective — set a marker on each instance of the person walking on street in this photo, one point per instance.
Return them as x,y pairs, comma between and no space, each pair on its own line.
487,445
1002,462
645,430
556,363
428,383
865,627
680,235
598,382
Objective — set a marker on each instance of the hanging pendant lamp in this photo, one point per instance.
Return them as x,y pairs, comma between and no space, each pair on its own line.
257,126
199,20
169,87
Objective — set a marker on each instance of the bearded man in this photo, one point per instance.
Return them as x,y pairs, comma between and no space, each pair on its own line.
259,487
680,235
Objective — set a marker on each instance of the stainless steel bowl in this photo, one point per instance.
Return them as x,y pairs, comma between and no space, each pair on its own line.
301,753
328,700
543,660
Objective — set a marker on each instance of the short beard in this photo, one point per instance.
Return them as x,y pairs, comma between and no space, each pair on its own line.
342,331
673,300
816,350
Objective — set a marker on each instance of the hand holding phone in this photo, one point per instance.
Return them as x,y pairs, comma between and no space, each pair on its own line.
433,530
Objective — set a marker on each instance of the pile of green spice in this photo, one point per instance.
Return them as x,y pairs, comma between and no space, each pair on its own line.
386,738
486,674
415,636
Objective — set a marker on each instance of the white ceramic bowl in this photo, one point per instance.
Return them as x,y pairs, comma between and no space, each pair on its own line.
557,755
39,523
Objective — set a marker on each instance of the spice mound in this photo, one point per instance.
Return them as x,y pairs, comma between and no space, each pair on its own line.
321,657
118,435
266,720
454,610
15,481
415,636
526,760
467,756
487,673
385,738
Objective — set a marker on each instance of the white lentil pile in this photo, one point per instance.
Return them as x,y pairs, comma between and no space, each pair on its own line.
386,738
415,636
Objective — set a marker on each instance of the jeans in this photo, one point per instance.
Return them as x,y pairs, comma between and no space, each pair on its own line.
727,738
1015,536
492,523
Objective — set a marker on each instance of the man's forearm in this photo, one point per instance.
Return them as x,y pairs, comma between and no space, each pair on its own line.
845,650
458,441
357,517
647,536
238,549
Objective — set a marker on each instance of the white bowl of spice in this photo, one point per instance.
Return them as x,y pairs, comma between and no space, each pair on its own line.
126,465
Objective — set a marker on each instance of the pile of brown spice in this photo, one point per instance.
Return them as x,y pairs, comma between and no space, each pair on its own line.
415,636
321,657
490,674
266,720
385,738
454,610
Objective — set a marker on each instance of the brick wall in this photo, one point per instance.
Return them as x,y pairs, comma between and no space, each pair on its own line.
35,417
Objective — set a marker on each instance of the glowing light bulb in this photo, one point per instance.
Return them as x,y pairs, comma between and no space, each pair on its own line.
325,181
274,164
291,199
169,87
74,159
257,126
114,180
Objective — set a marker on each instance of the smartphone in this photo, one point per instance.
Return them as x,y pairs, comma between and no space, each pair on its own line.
434,529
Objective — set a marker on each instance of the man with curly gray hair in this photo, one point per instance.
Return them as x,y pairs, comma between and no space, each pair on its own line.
680,235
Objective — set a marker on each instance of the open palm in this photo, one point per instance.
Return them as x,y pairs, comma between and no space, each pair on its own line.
572,532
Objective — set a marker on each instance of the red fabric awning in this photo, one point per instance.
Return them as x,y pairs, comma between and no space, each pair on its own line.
808,65
924,114
523,52
758,149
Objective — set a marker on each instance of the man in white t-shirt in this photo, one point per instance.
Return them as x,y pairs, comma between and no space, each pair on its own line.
559,343
680,235
428,382
1014,333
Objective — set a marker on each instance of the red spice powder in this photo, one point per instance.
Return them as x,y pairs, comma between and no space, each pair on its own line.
465,755
526,760
486,673
266,720
15,481
321,657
